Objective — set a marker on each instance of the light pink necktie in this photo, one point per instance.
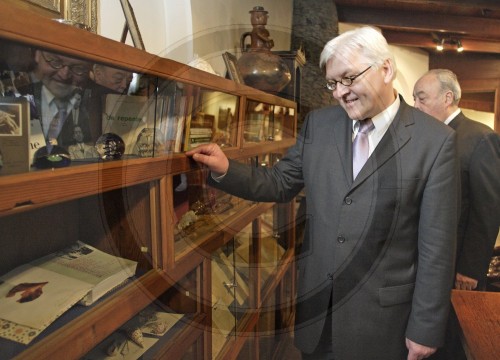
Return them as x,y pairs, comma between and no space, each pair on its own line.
57,123
360,149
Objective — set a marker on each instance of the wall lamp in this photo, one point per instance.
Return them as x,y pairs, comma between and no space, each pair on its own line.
460,48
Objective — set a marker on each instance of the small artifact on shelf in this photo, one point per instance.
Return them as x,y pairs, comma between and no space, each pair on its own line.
187,219
494,269
110,146
51,156
135,334
149,143
113,349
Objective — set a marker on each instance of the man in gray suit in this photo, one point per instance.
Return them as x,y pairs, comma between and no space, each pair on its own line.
378,254
438,94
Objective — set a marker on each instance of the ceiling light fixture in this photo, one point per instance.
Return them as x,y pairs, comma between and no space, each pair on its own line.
440,45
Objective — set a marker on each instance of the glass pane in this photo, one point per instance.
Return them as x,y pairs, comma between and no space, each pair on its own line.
266,328
284,123
244,273
131,116
57,110
199,209
223,297
71,263
195,351
150,331
213,119
258,122
248,352
265,122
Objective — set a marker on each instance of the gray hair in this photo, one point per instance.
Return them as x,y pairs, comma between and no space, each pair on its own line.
366,41
448,82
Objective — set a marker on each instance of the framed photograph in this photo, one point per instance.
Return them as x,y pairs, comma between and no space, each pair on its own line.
230,61
80,13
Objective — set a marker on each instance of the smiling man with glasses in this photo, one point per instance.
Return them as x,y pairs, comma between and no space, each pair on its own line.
59,77
346,81
381,185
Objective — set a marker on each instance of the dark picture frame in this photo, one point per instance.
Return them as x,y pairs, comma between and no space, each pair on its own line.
232,68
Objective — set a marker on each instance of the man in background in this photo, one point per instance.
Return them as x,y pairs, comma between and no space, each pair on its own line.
438,93
112,78
59,76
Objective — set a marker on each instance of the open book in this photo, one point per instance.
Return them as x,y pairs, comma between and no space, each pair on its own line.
34,295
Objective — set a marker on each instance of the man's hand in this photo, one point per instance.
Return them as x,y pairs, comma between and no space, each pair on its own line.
417,351
463,282
212,156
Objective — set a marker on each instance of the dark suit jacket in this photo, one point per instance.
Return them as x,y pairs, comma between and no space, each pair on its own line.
381,248
479,154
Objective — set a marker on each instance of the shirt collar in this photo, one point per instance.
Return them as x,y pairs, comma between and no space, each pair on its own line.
383,119
452,116
47,95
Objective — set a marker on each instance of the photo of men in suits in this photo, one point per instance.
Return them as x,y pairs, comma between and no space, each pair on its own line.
377,262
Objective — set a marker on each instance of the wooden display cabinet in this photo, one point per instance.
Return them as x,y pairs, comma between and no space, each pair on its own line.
198,251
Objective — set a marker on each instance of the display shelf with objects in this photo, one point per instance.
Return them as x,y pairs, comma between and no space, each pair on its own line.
107,171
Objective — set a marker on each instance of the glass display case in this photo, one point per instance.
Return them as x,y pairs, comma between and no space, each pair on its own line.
267,122
94,183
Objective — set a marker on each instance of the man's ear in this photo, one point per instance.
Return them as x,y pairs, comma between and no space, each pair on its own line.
37,56
448,96
388,69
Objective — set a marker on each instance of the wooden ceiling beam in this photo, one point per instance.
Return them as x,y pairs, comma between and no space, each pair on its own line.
423,40
488,4
472,26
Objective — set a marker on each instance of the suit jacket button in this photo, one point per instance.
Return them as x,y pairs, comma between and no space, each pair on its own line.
341,239
348,200
329,276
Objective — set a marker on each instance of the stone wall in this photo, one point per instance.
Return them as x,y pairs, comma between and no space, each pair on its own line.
314,24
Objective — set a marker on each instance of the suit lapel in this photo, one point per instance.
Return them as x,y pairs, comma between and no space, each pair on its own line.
343,134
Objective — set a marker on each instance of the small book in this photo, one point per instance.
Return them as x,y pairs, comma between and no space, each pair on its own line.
34,295
14,133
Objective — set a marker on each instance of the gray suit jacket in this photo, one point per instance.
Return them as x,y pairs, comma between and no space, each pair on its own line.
379,249
479,154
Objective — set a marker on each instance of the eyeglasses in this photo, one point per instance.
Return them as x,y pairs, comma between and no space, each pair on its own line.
346,81
57,64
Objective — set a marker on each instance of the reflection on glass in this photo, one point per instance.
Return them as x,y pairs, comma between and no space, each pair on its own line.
211,117
110,146
112,78
265,122
223,290
199,209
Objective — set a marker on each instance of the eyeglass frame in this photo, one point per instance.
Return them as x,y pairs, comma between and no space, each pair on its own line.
331,85
60,64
